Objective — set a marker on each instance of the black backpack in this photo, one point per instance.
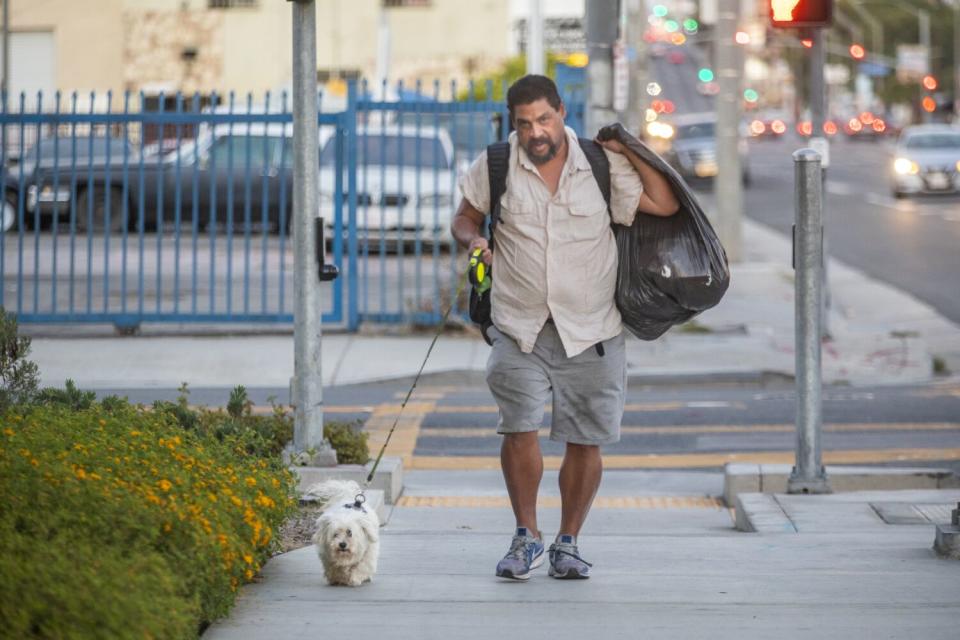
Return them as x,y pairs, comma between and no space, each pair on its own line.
498,162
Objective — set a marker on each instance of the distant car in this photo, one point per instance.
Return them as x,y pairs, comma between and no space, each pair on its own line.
865,126
676,57
711,88
692,148
926,160
768,125
406,178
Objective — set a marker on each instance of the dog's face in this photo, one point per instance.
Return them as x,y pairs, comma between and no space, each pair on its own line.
343,536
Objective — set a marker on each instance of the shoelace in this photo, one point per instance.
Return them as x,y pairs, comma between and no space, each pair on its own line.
518,547
573,555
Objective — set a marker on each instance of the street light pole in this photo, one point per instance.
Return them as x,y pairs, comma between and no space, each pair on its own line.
535,60
309,447
729,180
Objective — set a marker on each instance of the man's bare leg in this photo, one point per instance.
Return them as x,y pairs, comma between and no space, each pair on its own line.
580,475
522,465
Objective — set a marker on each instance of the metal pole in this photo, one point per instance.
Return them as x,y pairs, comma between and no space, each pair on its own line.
383,51
637,61
820,143
535,60
5,85
601,34
307,384
956,60
809,475
729,181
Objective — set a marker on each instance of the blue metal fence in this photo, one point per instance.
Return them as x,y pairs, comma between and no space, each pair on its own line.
177,209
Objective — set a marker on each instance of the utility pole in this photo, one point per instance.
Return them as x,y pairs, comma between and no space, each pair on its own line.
602,24
637,61
5,86
309,447
535,57
729,181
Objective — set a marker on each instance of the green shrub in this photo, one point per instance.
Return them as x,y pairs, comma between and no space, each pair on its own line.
19,378
116,521
349,441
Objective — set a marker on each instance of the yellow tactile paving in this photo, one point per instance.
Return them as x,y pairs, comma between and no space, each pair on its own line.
485,432
404,439
548,502
692,460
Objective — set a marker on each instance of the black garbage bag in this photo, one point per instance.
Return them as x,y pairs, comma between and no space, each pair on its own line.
670,268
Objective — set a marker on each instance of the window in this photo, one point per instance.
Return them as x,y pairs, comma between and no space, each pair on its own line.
234,151
393,150
232,4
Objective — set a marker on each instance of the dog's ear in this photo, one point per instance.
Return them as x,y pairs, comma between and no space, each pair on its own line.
321,530
370,529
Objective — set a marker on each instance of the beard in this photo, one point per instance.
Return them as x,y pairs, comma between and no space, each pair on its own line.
551,150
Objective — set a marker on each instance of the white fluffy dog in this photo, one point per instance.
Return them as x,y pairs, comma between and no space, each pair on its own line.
347,537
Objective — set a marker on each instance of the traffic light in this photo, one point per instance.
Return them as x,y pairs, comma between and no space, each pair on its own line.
857,52
929,83
789,14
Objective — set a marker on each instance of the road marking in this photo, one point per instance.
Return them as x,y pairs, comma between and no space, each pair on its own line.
404,439
841,188
489,432
553,502
638,406
694,460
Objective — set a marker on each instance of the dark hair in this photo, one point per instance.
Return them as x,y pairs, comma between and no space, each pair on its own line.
531,88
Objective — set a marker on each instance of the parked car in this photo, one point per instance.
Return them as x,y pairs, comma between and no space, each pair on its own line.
53,170
406,181
926,160
692,149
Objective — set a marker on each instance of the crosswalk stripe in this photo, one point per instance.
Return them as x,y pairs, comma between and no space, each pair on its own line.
489,432
553,502
694,460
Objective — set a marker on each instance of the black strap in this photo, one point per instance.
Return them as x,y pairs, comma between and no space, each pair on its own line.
599,164
498,162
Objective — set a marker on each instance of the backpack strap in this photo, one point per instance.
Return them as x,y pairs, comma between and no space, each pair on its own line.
498,162
599,164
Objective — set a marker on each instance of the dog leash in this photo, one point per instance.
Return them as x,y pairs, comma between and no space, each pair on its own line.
361,498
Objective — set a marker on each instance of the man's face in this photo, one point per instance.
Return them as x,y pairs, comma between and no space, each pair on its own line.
540,129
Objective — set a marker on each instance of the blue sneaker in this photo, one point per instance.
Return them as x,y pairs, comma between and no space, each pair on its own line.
565,560
526,554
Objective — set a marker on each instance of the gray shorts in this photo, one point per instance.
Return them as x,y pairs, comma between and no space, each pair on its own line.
588,389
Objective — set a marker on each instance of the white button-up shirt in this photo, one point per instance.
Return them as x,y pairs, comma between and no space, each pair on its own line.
555,254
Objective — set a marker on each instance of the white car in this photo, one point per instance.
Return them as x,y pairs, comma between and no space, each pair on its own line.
927,160
406,181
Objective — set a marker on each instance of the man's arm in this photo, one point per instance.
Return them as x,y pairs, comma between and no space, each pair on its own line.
466,230
657,197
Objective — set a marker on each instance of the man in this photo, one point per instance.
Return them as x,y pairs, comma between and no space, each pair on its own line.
555,325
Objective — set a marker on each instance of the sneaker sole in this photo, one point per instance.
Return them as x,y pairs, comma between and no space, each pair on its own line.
571,574
537,562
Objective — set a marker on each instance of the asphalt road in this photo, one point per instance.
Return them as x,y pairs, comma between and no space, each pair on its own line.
452,422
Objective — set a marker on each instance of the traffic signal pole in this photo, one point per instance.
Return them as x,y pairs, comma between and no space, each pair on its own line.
818,103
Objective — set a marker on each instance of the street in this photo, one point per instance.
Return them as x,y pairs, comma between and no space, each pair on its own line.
451,423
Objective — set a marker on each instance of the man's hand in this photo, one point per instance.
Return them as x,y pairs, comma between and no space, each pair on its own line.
481,243
610,145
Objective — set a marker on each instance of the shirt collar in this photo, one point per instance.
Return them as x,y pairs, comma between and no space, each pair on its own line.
576,159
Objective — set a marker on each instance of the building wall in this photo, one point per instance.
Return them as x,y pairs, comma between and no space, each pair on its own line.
153,45
88,37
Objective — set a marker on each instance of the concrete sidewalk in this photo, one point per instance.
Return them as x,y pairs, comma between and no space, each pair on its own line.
668,564
880,336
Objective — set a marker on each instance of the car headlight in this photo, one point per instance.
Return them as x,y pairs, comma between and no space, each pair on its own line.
436,200
903,166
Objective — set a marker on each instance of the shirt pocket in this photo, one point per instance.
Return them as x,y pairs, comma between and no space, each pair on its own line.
514,206
588,219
